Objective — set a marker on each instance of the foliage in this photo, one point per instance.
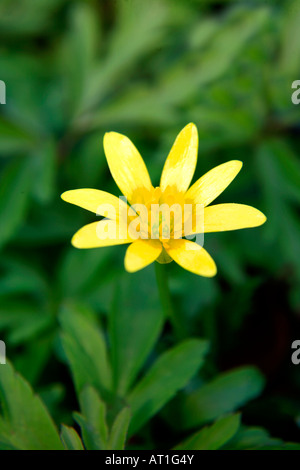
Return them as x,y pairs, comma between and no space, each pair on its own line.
74,70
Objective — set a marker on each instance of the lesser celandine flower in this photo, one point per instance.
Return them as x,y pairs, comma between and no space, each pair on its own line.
159,241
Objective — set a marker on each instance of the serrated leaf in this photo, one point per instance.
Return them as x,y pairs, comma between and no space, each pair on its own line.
70,438
92,419
251,438
24,421
225,394
85,348
212,437
119,430
135,323
170,373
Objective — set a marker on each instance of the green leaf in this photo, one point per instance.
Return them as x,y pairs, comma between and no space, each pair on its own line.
29,18
135,323
290,49
92,420
14,192
251,438
91,263
70,438
14,139
34,358
134,38
216,59
226,393
119,430
44,170
78,52
85,348
212,437
283,446
22,277
202,32
24,421
277,156
170,373
275,164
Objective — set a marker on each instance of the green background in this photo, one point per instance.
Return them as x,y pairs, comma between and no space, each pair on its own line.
75,70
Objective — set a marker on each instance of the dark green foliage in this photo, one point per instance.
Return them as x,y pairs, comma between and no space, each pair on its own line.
85,334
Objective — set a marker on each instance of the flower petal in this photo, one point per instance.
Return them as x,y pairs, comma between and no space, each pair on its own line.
180,165
126,164
141,253
192,257
103,233
94,200
222,217
213,183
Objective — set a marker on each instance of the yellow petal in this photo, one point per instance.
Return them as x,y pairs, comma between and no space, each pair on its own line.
223,217
103,233
94,200
181,162
213,183
192,257
126,164
141,253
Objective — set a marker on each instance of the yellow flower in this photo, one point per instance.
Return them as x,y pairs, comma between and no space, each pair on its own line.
130,173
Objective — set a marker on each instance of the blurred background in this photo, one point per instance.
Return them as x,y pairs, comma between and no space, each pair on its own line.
77,69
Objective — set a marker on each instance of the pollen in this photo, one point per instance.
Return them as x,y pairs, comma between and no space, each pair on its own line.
161,213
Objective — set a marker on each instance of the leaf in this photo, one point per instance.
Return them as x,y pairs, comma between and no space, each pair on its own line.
226,393
44,170
52,396
170,373
14,192
92,420
290,49
91,263
202,32
78,52
24,421
119,430
34,358
134,38
70,438
85,348
279,189
283,446
88,165
14,139
277,156
30,327
135,322
212,437
29,18
22,277
216,59
251,438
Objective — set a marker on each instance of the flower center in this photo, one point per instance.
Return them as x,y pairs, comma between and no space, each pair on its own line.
161,214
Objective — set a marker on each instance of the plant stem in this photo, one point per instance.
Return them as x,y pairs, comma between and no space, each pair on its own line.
166,300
